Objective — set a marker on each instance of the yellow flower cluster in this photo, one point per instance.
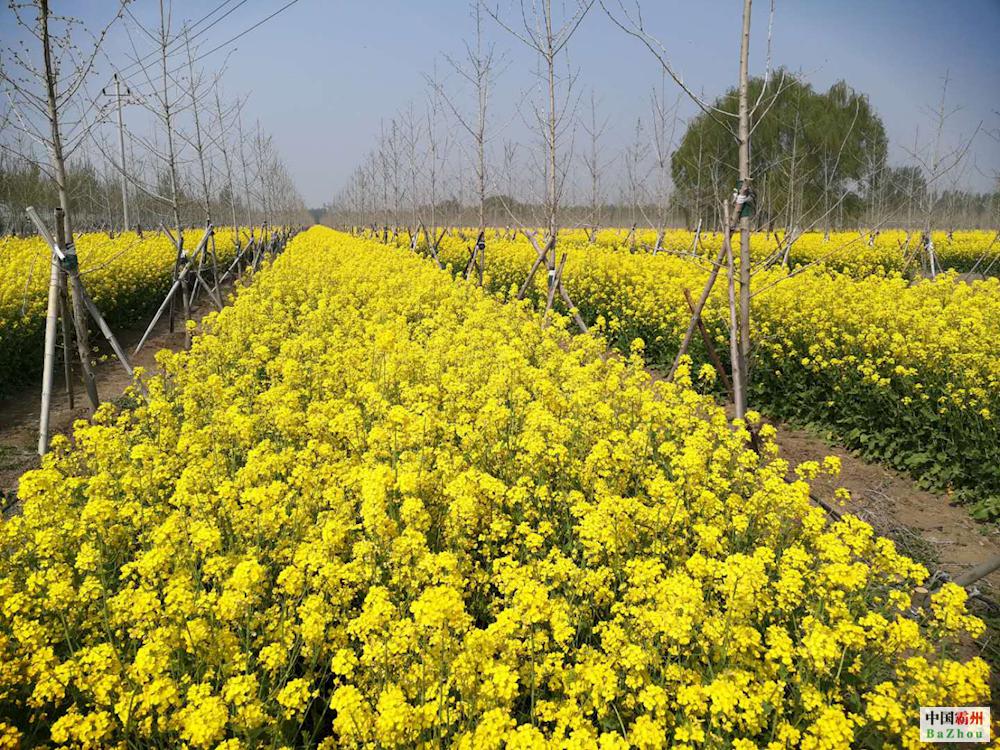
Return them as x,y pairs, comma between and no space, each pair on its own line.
374,508
855,253
125,276
906,371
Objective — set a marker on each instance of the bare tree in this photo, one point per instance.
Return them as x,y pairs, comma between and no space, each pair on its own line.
411,131
437,155
937,165
664,127
739,125
230,186
547,33
595,128
39,98
478,69
636,170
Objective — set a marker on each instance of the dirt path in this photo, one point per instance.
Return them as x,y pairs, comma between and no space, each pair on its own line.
19,412
923,524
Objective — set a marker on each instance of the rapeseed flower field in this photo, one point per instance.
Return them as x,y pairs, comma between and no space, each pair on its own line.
373,507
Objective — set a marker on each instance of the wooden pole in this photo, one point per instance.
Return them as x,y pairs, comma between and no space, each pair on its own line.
106,330
79,313
552,289
242,251
980,571
709,347
542,256
697,310
572,308
179,282
697,236
163,306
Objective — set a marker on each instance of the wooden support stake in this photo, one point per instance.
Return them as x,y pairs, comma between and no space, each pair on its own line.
980,571
215,271
552,289
79,313
44,231
696,312
163,306
67,340
697,236
542,256
481,244
106,330
572,308
197,274
712,354
179,283
241,253
200,282
469,262
178,257
186,305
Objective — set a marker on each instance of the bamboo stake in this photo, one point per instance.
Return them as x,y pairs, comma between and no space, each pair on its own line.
50,349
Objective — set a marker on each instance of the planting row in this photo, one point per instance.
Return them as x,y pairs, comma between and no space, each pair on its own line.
907,372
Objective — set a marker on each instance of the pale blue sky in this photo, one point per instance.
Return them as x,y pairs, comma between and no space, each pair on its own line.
324,72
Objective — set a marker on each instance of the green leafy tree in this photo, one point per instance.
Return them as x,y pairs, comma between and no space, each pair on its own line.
815,154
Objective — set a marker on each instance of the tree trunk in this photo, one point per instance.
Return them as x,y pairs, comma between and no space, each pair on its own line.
552,182
740,383
64,225
735,353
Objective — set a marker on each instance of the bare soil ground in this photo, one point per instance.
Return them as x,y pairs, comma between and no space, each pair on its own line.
924,524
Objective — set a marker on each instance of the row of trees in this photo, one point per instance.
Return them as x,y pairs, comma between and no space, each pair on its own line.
821,158
144,141
94,186
771,152
191,163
